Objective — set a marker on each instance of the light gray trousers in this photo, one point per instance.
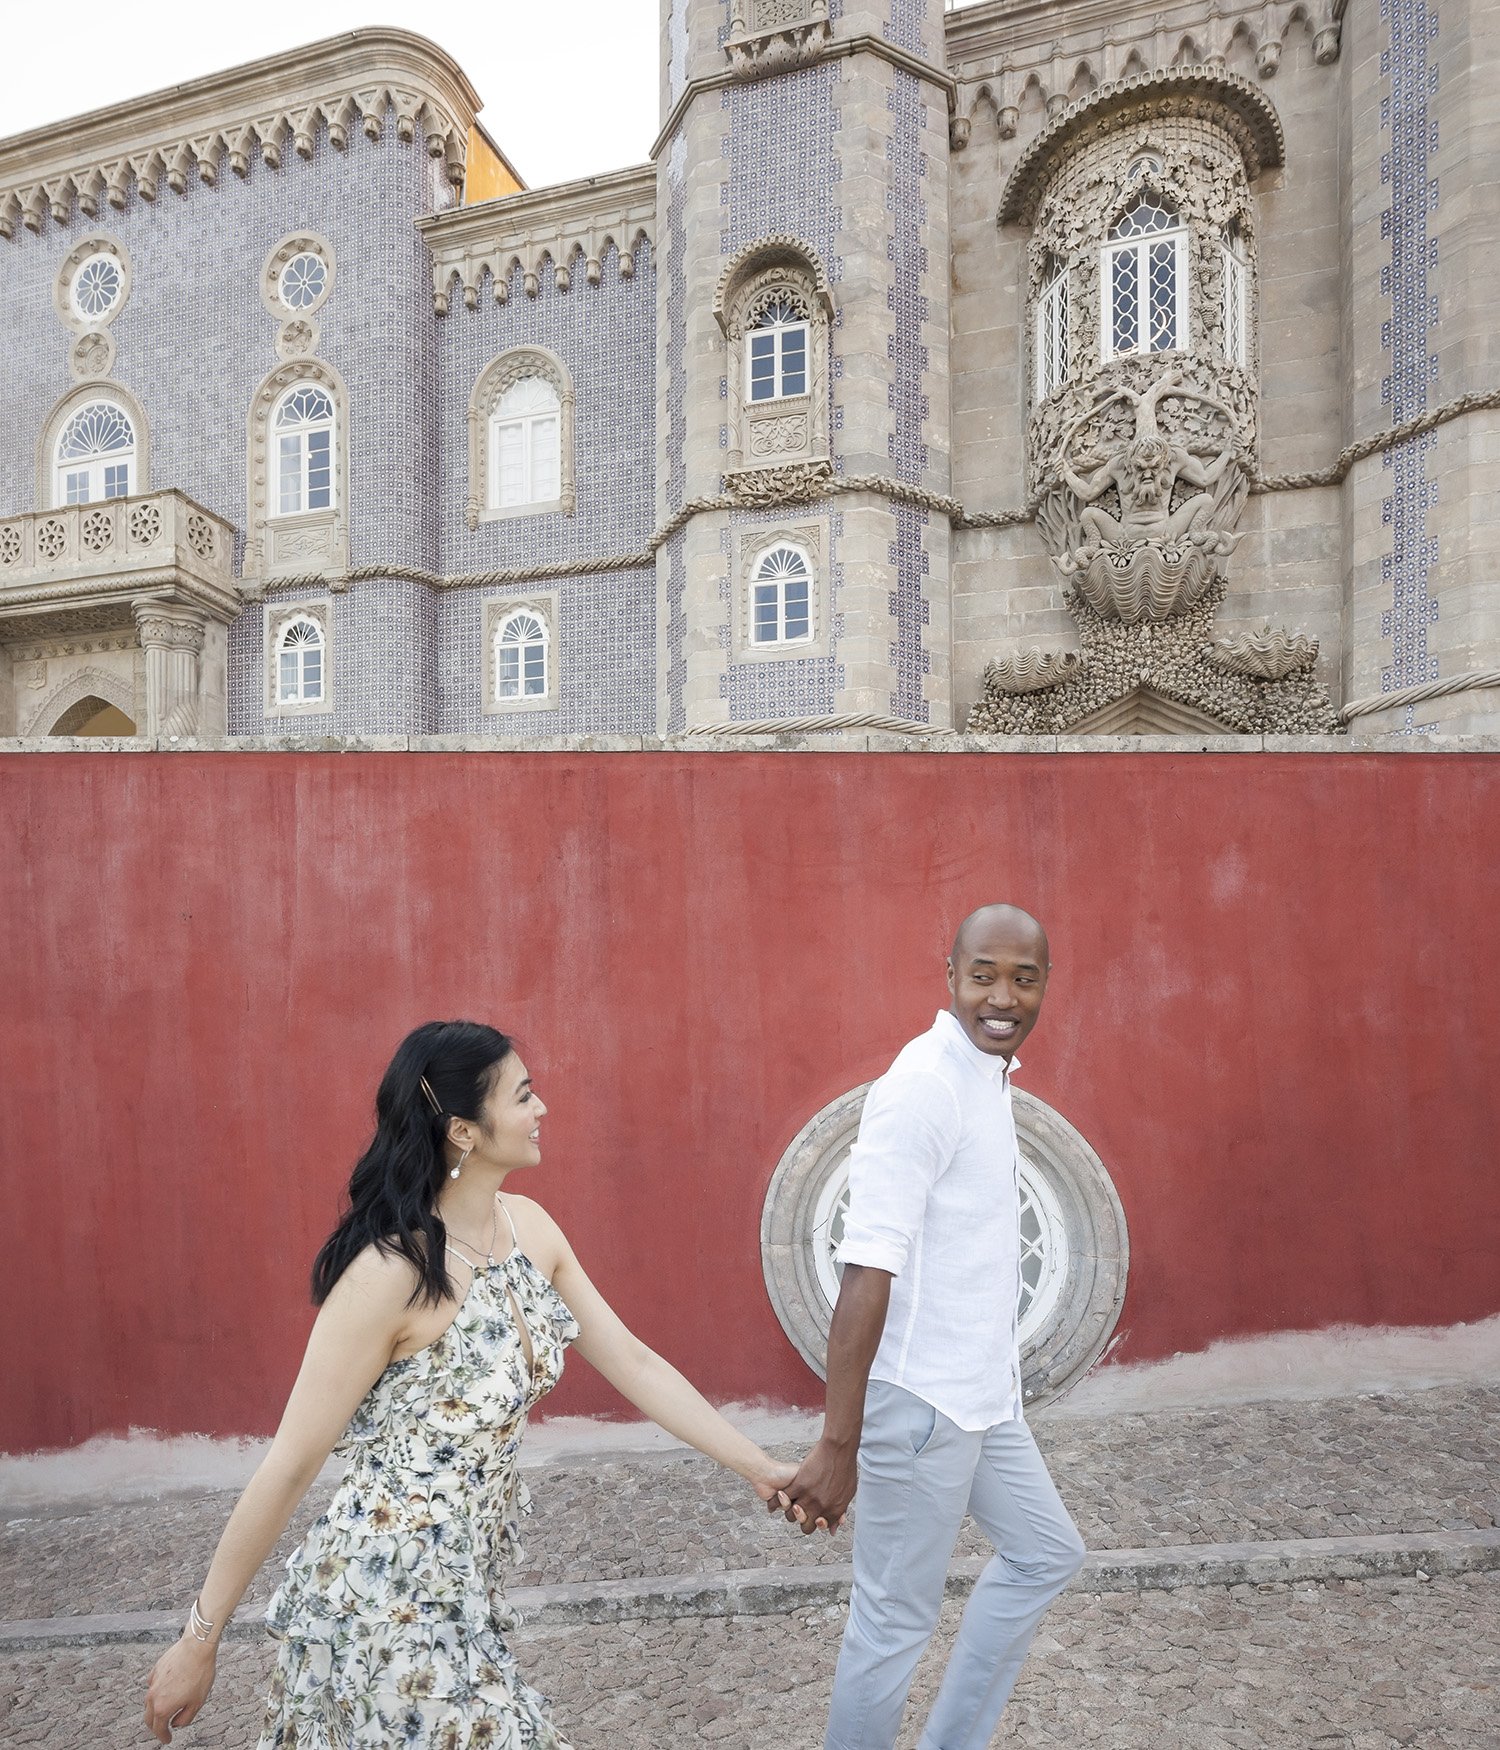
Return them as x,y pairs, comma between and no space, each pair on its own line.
919,1474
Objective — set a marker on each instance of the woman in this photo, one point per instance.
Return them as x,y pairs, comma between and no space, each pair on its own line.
445,1308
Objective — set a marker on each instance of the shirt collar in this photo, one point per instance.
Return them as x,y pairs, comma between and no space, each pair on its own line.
989,1066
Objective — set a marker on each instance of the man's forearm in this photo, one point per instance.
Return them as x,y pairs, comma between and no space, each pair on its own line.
853,1338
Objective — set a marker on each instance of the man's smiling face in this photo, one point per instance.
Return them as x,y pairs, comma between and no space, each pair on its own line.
997,976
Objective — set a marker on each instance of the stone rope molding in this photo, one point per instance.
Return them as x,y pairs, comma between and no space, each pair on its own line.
1476,401
814,725
902,491
1457,683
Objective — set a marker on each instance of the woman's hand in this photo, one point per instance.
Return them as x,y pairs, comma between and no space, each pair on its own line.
180,1681
772,1479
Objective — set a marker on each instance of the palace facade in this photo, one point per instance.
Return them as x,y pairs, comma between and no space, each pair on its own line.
1020,367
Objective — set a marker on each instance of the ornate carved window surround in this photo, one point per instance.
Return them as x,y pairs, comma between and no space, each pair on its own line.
789,429
500,374
498,612
280,618
751,546
310,541
64,409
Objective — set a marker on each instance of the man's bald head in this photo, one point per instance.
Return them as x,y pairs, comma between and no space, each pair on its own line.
1007,920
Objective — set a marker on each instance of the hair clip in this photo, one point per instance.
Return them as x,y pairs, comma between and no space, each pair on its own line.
432,1099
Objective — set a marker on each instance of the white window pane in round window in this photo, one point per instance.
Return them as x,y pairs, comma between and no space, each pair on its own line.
1044,1244
97,287
95,430
303,281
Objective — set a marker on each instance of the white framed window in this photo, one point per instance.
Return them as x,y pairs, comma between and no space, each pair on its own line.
301,661
97,287
1052,335
303,427
1236,298
525,447
522,653
781,597
303,280
776,349
1143,290
96,455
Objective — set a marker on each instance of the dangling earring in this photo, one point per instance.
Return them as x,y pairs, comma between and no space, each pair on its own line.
460,1167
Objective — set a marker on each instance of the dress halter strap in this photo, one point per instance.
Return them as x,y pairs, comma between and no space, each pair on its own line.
515,1238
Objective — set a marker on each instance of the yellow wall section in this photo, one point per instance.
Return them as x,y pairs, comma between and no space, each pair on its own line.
486,175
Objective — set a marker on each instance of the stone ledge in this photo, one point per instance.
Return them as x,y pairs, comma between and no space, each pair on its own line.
847,742
779,1591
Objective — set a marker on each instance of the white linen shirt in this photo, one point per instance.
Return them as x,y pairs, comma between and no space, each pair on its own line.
934,1198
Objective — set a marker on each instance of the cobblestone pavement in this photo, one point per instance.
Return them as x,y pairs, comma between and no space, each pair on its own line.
1341,1665
1422,1461
1347,1666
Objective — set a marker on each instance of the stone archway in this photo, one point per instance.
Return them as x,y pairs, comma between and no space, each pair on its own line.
80,698
92,715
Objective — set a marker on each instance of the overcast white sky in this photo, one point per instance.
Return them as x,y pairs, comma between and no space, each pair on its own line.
569,87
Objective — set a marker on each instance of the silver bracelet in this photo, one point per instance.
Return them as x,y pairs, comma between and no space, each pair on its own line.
199,1627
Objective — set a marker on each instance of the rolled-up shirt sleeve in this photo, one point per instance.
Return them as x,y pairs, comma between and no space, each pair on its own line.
907,1137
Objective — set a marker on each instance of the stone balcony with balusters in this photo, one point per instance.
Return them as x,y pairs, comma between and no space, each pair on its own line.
156,563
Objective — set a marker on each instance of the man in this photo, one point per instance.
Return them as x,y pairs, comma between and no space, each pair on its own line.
924,1380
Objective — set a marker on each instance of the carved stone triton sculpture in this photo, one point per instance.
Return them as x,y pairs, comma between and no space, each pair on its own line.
1142,524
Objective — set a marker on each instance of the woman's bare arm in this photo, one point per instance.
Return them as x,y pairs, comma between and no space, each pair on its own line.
638,1373
358,1327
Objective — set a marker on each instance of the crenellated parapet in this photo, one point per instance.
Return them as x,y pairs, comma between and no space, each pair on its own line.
547,233
348,87
1012,63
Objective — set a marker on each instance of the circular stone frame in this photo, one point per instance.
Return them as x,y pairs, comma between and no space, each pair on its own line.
62,285
297,243
1088,1304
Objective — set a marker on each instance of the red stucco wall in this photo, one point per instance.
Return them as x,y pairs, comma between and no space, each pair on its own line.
1273,1014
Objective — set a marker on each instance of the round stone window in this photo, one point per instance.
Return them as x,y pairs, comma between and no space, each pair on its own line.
303,281
97,287
1074,1244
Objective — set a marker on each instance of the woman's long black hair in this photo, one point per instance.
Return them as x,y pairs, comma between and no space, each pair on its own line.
393,1190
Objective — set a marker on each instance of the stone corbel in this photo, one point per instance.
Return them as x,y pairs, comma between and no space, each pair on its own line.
757,52
10,211
171,637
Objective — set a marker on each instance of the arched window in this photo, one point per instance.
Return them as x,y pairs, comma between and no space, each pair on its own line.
781,597
299,663
1052,332
526,446
96,454
1236,312
303,424
521,652
1144,282
776,350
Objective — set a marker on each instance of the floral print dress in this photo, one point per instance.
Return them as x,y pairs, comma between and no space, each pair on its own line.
392,1617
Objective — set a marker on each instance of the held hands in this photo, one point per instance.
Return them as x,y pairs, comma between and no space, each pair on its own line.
818,1496
180,1681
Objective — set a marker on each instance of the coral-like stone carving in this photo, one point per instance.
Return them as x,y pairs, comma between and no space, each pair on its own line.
1164,659
1265,655
792,483
1031,671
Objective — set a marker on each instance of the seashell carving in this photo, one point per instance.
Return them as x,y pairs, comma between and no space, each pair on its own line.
1265,655
1148,580
1031,671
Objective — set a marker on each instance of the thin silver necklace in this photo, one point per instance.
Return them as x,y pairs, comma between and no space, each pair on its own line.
489,1256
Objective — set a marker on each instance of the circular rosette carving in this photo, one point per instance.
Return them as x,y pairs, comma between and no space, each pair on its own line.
1146,580
1265,655
1032,671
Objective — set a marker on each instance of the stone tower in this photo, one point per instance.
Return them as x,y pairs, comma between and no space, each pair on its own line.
802,345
